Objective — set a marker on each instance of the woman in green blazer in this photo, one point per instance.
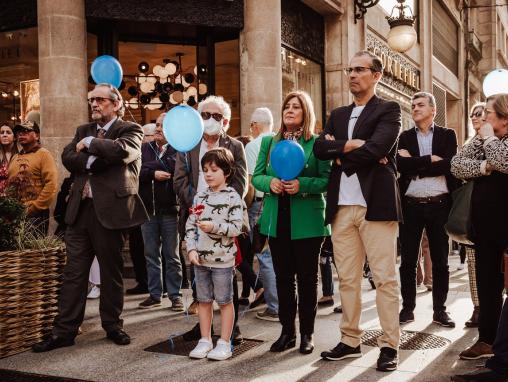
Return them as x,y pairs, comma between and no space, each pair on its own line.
293,219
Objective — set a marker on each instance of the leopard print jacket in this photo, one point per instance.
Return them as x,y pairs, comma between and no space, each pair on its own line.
470,162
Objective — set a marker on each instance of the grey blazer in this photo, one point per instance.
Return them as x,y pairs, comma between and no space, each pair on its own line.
186,176
113,175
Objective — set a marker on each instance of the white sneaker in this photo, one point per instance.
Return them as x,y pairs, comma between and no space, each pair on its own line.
95,292
202,349
221,352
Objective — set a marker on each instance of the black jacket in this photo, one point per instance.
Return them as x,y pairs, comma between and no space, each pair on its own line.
379,125
151,190
444,144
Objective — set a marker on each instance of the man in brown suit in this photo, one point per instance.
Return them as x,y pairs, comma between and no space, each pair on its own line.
105,158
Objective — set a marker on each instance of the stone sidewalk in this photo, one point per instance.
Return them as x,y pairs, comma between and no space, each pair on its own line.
94,358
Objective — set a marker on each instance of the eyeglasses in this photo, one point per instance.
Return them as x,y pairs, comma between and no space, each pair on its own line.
357,70
252,123
477,114
98,100
206,116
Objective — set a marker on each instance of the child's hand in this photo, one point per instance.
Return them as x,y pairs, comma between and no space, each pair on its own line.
205,226
194,257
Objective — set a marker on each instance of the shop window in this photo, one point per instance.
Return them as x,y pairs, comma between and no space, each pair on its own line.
19,73
300,73
227,80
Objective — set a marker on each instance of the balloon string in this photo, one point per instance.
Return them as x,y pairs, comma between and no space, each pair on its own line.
133,119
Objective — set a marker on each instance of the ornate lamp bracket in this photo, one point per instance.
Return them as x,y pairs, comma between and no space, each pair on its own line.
361,7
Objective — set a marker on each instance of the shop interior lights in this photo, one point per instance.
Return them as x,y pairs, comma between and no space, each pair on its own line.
166,85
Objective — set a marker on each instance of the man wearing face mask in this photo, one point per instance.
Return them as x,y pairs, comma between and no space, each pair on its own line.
189,178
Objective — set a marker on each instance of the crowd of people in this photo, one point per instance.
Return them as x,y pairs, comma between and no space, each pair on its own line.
365,188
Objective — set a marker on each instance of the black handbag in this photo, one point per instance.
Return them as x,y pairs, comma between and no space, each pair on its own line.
459,226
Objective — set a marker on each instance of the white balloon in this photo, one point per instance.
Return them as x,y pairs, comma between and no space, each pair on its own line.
152,79
203,89
133,103
186,96
141,78
170,68
147,87
192,91
172,100
178,79
154,104
163,80
185,83
196,70
163,73
495,82
156,69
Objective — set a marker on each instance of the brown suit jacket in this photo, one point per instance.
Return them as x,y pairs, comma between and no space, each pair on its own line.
113,175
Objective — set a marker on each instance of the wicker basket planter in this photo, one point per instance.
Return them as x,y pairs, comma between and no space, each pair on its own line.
29,285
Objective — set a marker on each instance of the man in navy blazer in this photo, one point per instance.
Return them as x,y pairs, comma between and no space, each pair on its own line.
363,206
426,183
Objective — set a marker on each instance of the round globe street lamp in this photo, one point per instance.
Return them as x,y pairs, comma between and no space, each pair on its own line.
402,35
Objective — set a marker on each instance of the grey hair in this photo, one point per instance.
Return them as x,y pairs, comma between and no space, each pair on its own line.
223,105
115,95
377,64
264,116
429,96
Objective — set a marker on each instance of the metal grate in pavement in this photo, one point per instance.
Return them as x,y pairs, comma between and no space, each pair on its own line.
178,346
409,340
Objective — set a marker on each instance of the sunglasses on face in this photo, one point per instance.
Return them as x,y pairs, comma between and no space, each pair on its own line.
476,114
206,116
100,100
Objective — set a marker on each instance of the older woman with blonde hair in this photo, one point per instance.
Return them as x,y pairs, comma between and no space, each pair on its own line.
293,219
485,161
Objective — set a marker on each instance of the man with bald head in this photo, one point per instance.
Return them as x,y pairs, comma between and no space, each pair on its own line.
105,158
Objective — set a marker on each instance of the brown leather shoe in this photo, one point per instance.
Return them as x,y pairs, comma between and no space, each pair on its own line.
474,321
477,351
193,308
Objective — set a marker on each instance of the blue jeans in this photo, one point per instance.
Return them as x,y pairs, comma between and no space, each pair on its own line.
266,272
162,229
214,284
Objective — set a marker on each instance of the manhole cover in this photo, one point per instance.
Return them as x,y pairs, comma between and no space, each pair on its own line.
182,347
408,340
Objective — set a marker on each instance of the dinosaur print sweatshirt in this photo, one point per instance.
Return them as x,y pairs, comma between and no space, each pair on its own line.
224,209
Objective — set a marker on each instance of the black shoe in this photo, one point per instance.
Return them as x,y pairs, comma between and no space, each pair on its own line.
342,351
306,344
52,342
148,303
337,309
138,289
388,359
372,284
194,334
243,301
406,316
119,337
482,375
285,341
474,321
258,301
236,336
442,318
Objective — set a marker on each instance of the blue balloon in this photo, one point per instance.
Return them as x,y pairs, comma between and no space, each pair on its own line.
107,69
287,159
183,128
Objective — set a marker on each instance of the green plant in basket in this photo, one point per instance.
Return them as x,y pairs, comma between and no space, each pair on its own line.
12,213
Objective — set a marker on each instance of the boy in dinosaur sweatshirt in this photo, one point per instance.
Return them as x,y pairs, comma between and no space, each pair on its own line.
214,221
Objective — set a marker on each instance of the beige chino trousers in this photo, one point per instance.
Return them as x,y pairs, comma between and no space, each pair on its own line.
354,237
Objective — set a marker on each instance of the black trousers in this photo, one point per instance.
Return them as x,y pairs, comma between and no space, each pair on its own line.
432,217
85,239
137,253
499,362
490,283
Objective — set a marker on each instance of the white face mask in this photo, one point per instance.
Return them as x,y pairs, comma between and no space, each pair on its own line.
212,127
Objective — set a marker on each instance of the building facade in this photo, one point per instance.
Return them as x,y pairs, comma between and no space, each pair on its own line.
251,52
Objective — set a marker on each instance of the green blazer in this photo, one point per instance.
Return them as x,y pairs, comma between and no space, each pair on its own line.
307,206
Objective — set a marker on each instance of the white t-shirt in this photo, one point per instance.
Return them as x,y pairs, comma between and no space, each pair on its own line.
202,185
251,155
350,192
